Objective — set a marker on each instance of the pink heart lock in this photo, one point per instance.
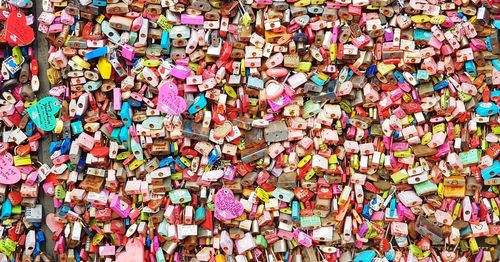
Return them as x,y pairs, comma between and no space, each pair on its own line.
9,174
134,251
226,207
168,100
274,89
52,224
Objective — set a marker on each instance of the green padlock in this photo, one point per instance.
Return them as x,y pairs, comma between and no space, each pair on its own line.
59,192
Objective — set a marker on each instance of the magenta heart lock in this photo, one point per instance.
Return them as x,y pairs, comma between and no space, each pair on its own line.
168,100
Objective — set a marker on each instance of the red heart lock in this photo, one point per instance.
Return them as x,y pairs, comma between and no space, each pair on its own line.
17,30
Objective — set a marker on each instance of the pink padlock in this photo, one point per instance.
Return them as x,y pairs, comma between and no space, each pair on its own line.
128,52
120,207
180,72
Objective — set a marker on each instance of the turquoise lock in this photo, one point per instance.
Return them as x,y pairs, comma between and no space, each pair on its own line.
162,228
115,135
365,256
423,75
295,211
179,196
496,64
160,257
422,35
465,231
487,109
153,122
126,114
398,76
124,136
310,221
6,209
200,102
92,85
488,43
77,127
200,215
136,149
491,171
470,67
165,43
318,80
390,255
255,83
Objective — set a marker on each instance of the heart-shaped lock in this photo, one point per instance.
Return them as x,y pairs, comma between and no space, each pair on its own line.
52,223
9,174
274,89
168,100
17,30
43,113
448,256
134,251
226,207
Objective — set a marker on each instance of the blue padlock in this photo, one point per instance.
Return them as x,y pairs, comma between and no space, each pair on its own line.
441,85
6,209
77,127
134,103
470,68
40,237
367,212
101,51
390,255
295,211
99,3
37,250
81,165
124,136
365,256
487,109
126,114
213,156
166,161
371,71
496,64
398,76
422,35
165,42
63,210
77,255
54,146
65,146
491,171
179,162
30,128
199,103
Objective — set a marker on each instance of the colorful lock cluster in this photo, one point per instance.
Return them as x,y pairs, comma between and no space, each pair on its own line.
21,235
259,130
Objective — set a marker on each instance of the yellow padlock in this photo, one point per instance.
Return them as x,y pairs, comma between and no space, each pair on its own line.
135,164
79,61
304,161
384,69
426,138
420,19
104,67
22,160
